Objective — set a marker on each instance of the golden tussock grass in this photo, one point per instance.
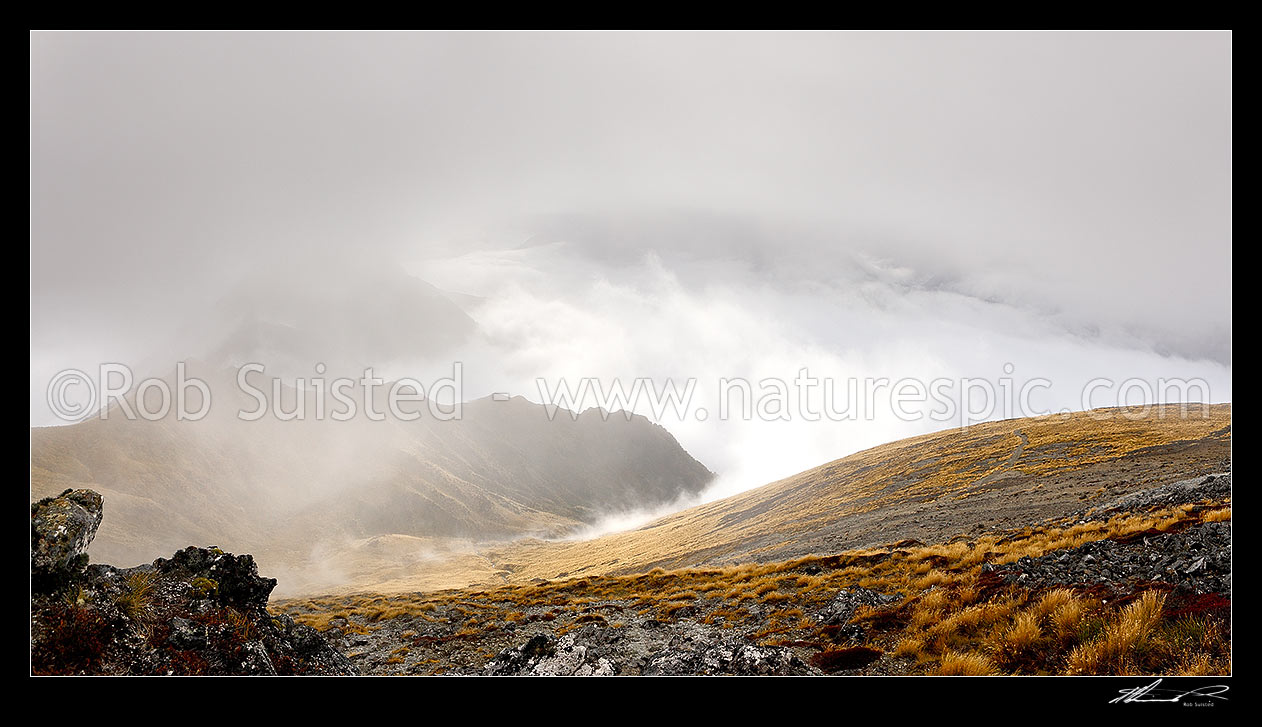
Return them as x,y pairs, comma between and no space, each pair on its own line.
934,600
1067,619
1116,650
910,647
970,665
1025,632
1218,516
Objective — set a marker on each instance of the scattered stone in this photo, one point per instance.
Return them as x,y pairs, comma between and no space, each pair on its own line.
1197,489
1122,565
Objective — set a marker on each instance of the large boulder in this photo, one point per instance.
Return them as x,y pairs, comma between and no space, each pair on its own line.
62,527
522,659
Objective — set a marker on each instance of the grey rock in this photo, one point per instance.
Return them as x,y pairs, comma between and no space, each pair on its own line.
213,605
733,656
522,659
578,653
62,527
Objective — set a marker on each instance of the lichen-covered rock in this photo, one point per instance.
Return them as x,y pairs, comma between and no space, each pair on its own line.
186,634
578,653
62,527
233,579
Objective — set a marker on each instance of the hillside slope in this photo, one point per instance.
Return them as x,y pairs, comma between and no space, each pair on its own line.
1059,545
982,478
1141,585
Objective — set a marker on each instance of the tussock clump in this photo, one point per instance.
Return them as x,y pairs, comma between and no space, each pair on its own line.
136,600
1218,516
1121,648
910,647
1066,619
969,665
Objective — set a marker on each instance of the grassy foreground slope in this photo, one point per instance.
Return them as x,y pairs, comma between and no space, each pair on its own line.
964,607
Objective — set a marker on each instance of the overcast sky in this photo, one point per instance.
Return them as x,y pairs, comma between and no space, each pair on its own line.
656,204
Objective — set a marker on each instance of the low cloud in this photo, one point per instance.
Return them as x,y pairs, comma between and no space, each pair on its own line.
654,205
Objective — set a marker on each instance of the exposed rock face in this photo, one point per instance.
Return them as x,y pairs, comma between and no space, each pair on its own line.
202,611
734,656
521,659
61,529
1197,559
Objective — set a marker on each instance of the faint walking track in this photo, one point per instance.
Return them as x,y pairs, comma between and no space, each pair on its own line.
1020,448
1008,463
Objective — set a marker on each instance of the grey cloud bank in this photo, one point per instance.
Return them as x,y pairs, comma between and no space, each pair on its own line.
653,204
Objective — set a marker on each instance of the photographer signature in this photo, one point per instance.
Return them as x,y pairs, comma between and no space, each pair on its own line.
1151,693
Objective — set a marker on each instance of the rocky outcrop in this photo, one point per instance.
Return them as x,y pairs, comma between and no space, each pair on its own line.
733,656
571,655
61,529
202,611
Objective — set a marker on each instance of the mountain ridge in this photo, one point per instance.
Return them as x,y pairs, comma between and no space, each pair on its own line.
277,488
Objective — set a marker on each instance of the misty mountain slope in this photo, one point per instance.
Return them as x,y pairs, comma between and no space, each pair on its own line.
348,318
984,477
282,488
505,470
165,483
